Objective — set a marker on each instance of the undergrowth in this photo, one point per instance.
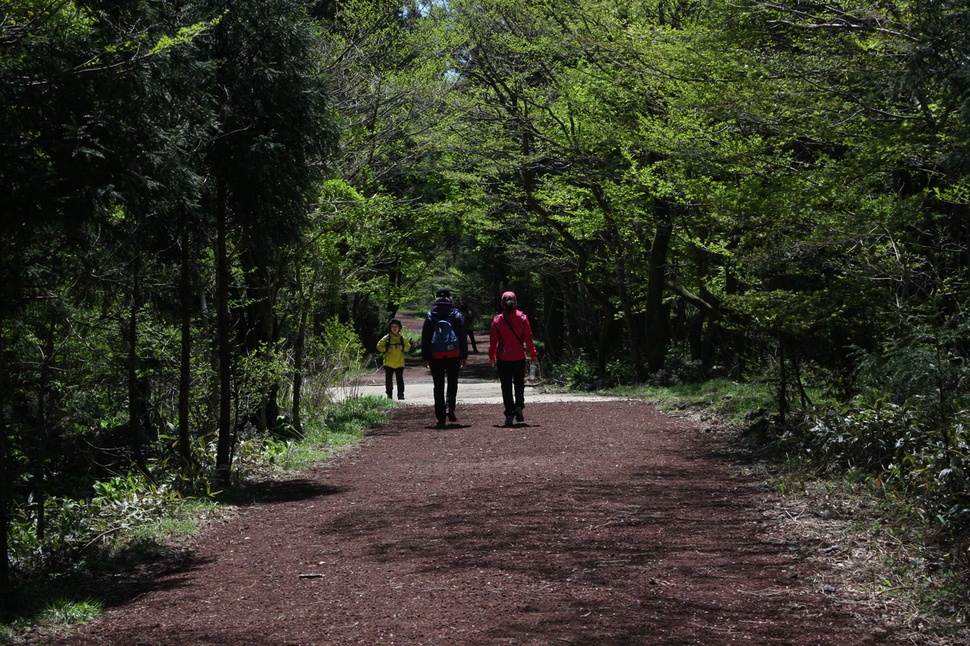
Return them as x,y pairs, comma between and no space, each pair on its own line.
728,399
130,523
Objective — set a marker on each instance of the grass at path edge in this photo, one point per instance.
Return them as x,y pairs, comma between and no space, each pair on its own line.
45,605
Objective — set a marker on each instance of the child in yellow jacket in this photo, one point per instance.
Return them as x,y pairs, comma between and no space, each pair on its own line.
394,346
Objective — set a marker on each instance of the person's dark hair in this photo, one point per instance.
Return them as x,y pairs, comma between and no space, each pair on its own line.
394,322
509,301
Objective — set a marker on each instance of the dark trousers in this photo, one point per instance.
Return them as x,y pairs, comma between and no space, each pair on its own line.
512,376
444,400
389,374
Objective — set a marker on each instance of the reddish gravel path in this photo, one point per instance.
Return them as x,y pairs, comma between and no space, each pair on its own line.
593,523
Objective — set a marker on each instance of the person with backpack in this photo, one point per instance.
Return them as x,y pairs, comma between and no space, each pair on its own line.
444,349
394,346
510,338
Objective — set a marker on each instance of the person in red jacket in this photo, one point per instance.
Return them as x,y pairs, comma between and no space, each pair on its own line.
510,338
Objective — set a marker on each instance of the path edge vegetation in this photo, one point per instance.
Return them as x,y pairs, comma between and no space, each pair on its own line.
142,527
873,538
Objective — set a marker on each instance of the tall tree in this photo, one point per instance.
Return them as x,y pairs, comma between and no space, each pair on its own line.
84,178
276,130
560,96
391,66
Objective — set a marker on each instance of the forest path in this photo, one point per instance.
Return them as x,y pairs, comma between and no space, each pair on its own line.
603,522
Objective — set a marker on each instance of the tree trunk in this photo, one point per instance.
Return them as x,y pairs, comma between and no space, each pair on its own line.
605,343
737,342
135,391
185,361
554,324
620,271
299,346
211,348
40,472
4,536
224,442
658,333
262,270
709,311
782,382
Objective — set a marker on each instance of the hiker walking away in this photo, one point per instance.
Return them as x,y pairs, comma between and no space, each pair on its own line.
444,349
394,346
510,332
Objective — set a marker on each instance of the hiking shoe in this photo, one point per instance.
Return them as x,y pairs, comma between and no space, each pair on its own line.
401,397
519,417
508,420
440,424
451,416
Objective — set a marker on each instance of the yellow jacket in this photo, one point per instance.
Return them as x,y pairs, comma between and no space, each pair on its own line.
394,346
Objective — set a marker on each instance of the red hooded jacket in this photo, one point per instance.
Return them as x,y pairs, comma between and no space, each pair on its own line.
510,330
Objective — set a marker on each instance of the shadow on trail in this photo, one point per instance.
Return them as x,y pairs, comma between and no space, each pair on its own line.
478,368
118,588
121,577
607,562
127,574
274,491
602,524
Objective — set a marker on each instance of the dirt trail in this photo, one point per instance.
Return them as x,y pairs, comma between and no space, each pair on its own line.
599,522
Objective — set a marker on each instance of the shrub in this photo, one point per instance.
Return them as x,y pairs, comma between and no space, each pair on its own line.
896,448
76,528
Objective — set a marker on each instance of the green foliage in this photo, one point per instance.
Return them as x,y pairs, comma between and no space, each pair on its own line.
895,447
342,352
338,427
580,373
49,606
184,36
379,245
390,67
730,399
77,529
922,365
870,439
257,374
577,374
356,415
70,611
64,538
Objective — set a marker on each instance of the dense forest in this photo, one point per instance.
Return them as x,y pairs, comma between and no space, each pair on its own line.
210,209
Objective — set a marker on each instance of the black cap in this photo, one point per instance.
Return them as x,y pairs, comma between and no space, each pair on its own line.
444,292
